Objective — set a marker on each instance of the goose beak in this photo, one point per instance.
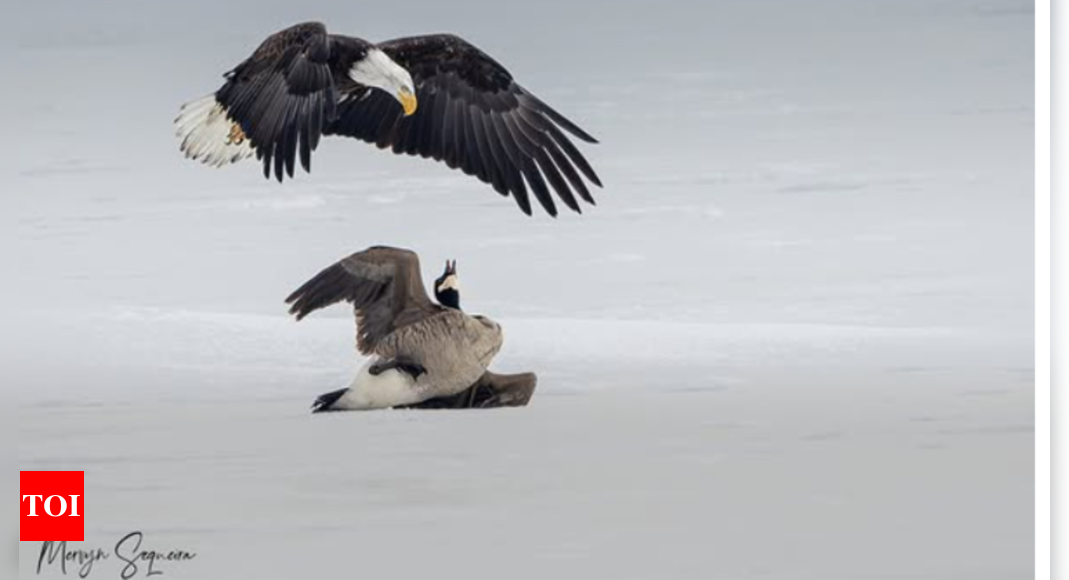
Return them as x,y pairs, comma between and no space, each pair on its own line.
408,100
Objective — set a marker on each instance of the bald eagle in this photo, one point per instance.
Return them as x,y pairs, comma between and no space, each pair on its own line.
434,96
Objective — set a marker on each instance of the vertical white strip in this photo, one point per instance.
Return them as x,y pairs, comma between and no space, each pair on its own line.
1043,285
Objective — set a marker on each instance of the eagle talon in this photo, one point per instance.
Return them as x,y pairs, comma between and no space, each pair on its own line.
236,136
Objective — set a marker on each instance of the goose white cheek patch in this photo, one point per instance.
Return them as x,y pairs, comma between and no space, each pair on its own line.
450,283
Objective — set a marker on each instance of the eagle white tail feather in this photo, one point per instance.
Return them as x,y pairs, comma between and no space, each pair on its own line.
206,134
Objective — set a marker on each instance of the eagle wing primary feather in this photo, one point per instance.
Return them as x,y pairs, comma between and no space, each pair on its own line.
384,286
474,117
282,96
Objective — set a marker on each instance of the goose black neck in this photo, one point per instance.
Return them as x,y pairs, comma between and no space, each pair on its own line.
449,298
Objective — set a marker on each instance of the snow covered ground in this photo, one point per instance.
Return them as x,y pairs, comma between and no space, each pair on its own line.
793,340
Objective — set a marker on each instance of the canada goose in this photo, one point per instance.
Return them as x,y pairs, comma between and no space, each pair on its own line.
419,350
434,96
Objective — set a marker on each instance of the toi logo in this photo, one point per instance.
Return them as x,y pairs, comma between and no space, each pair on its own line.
53,506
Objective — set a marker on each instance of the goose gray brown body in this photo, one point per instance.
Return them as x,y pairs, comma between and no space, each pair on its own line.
418,349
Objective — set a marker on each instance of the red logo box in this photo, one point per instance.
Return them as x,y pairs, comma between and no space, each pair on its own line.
53,506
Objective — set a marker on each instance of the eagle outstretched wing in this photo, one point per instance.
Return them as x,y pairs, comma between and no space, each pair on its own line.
274,104
474,117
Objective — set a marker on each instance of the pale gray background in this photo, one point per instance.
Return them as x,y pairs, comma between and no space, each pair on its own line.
794,339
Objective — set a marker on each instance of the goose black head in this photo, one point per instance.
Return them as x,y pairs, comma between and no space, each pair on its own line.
447,286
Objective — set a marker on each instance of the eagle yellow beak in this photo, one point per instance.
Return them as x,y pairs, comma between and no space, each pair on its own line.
408,101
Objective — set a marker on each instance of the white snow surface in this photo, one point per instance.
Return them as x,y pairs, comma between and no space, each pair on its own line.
794,339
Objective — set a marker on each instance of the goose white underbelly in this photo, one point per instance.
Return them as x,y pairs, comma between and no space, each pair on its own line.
389,389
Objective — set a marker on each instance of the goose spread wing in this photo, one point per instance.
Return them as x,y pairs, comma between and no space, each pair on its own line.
474,117
384,286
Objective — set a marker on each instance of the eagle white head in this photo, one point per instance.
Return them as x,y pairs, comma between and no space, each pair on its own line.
380,71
